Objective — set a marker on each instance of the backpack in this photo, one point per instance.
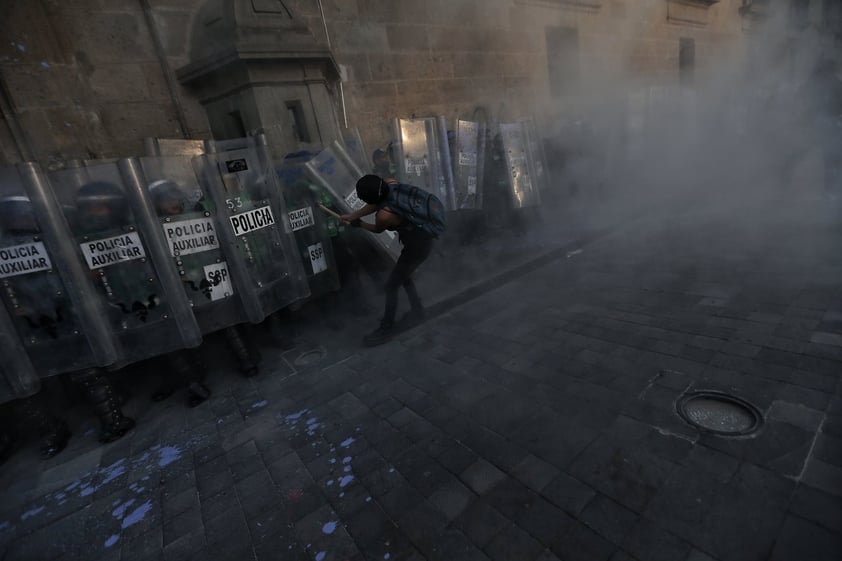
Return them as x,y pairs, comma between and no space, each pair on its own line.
421,209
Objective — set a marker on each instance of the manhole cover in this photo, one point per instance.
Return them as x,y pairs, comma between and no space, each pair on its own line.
720,413
309,357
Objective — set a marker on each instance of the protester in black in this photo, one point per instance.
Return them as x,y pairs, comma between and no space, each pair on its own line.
417,237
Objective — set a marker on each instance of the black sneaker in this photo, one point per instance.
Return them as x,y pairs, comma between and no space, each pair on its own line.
382,334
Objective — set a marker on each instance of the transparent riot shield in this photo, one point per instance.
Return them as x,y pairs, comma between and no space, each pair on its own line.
539,157
469,156
51,317
17,373
138,288
354,146
244,186
338,176
188,221
424,157
520,177
308,224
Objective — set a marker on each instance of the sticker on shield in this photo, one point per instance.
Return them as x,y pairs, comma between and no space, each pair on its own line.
301,218
354,201
252,220
467,158
236,166
114,250
24,259
220,281
191,236
317,258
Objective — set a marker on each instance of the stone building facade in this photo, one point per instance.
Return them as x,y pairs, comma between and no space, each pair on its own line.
93,78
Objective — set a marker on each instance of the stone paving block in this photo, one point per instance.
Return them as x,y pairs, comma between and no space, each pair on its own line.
323,530
611,520
825,338
187,522
569,494
717,464
482,476
513,543
647,542
580,543
144,547
185,547
543,520
819,507
400,499
629,476
800,539
796,414
348,406
824,476
423,525
803,396
696,555
481,522
535,473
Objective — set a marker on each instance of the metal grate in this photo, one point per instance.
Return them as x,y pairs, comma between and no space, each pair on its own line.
720,413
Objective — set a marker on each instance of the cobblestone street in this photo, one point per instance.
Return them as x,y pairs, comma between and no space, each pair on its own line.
535,422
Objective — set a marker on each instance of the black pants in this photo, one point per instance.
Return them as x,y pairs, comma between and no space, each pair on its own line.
416,249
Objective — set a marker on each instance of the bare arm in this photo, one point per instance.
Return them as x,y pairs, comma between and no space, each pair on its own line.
364,211
382,221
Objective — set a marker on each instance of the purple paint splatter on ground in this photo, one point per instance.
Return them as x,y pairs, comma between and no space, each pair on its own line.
391,470
295,416
116,502
347,442
112,540
137,515
87,490
346,460
22,48
332,460
113,471
3,525
347,469
259,404
311,421
120,511
329,528
168,455
387,557
329,482
320,556
72,486
368,499
341,495
346,480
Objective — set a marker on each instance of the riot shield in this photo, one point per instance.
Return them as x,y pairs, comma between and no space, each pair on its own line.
188,221
539,157
309,225
139,290
338,176
522,186
51,320
424,157
469,157
244,187
354,146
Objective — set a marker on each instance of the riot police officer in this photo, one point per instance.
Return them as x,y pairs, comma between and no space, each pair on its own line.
42,305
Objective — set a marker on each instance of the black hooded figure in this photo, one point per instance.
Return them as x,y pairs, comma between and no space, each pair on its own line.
392,203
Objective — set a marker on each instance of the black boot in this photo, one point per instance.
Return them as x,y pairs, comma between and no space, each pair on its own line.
248,359
382,334
106,405
53,431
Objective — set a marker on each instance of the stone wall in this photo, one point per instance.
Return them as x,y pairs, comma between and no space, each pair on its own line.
92,78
